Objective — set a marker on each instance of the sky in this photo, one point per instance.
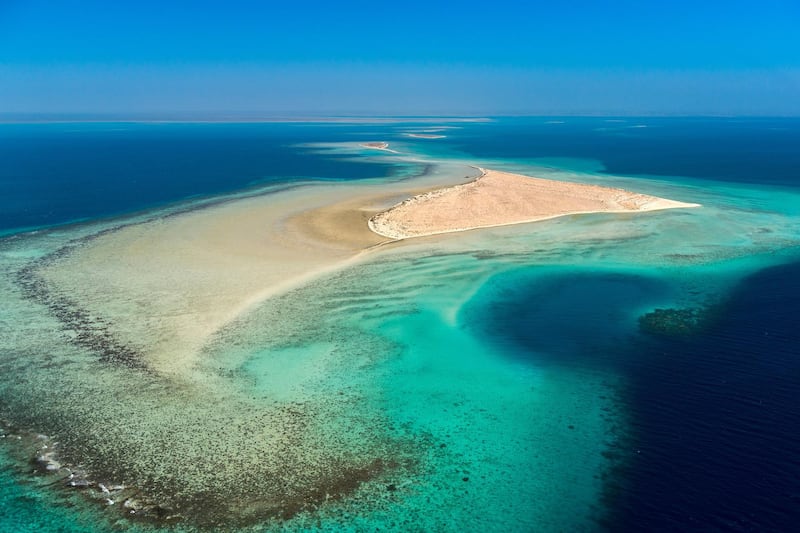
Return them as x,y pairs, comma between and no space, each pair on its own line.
494,57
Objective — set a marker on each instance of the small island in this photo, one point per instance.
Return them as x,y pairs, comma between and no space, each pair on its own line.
501,198
376,145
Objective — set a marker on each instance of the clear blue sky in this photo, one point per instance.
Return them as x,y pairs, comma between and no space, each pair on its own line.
402,57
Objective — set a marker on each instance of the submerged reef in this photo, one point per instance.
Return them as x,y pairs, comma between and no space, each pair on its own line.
88,419
678,321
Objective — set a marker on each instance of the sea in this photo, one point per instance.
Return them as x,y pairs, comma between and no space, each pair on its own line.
607,372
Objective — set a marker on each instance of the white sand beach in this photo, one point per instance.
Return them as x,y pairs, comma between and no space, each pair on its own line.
500,198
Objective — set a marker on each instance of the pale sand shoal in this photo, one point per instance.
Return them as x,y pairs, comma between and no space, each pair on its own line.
164,287
167,285
500,198
425,136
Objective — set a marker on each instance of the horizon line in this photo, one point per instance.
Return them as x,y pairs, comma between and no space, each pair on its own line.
377,118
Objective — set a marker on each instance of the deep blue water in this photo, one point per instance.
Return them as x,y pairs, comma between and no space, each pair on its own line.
564,327
735,150
717,418
58,173
715,441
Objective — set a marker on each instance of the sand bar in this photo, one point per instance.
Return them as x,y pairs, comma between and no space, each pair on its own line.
379,145
168,284
165,286
501,198
425,136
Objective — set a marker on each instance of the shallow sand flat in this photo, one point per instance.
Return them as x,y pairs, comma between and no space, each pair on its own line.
165,285
161,288
425,136
500,198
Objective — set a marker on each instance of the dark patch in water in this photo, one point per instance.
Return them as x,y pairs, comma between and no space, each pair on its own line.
90,332
714,394
716,417
678,321
577,318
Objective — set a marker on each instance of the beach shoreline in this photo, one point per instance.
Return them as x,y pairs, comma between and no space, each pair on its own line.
378,145
497,198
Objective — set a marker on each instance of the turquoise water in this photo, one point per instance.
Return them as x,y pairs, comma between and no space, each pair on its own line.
584,373
487,432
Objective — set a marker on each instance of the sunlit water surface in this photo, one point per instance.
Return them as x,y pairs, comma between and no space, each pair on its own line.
594,372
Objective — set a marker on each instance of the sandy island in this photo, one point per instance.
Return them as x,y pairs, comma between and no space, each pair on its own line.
500,198
379,145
